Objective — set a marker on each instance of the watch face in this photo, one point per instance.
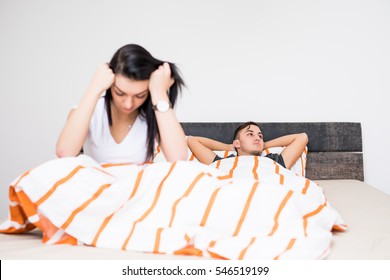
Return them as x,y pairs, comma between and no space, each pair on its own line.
163,106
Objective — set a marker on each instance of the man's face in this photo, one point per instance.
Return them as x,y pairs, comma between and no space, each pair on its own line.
249,141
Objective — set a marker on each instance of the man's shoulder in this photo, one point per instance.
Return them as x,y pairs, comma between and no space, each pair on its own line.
217,157
277,158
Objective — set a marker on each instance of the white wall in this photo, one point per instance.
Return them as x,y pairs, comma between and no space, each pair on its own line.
242,60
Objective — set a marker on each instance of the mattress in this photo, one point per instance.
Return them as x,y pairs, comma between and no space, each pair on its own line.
365,209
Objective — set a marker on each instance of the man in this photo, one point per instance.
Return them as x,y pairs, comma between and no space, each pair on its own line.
248,141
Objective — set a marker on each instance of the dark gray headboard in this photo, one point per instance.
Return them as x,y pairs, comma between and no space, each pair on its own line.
335,148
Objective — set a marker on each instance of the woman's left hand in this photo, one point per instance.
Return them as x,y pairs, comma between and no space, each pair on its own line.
160,81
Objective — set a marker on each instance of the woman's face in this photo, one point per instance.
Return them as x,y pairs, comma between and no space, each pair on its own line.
128,95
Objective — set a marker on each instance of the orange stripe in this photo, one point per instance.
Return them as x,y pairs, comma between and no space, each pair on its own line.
57,184
281,206
26,228
281,179
137,183
243,252
49,230
339,227
12,196
225,154
101,228
216,256
311,214
21,177
187,238
67,239
158,239
29,207
103,171
289,246
209,206
281,176
107,220
231,170
150,208
189,250
304,162
17,215
84,205
190,188
107,165
156,153
307,184
47,227
255,166
245,211
302,167
192,157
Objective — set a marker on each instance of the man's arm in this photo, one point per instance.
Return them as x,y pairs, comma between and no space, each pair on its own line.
294,146
203,148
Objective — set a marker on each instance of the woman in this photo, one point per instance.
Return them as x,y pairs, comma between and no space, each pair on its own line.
126,108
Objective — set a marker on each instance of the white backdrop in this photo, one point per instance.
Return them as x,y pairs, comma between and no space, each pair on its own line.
267,61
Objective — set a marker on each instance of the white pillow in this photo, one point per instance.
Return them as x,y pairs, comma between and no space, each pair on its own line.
159,156
299,167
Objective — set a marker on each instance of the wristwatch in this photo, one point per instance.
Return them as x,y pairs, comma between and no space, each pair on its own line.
162,106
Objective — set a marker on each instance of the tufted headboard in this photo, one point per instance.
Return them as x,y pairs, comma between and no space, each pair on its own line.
335,148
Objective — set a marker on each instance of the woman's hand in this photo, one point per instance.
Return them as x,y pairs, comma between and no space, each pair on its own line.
160,82
103,79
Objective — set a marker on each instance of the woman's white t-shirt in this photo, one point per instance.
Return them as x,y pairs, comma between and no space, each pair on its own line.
101,146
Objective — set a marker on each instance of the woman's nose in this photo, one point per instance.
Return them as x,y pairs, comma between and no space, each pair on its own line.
128,102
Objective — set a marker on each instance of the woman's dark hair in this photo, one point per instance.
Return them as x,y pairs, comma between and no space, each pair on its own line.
134,62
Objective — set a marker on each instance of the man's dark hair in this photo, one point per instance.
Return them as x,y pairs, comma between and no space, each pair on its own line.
244,125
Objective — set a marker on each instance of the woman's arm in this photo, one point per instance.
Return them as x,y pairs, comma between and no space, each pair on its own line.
294,146
75,131
203,148
172,137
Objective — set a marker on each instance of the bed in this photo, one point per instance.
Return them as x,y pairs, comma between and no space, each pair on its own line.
334,162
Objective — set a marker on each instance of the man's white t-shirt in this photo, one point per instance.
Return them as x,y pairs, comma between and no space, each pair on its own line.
101,146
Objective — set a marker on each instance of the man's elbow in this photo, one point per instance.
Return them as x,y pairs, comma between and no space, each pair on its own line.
304,138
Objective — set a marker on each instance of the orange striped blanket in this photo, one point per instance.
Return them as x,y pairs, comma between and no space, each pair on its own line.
238,208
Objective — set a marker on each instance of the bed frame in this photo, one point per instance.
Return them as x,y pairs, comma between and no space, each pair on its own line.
335,148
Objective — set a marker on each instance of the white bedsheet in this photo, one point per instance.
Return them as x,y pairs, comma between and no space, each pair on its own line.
181,208
366,212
